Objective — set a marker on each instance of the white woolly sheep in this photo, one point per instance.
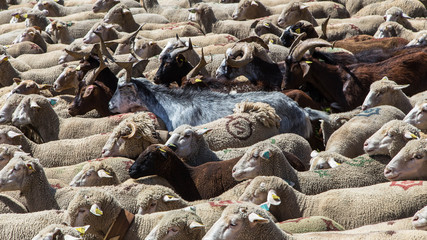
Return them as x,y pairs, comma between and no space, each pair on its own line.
60,232
268,160
359,128
417,116
325,160
369,203
310,224
411,7
7,152
99,210
394,29
334,121
387,92
410,163
420,39
396,14
95,174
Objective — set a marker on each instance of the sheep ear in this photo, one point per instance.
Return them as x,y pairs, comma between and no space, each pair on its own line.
409,135
398,87
303,6
170,198
104,174
30,167
266,154
273,198
190,209
82,230
126,11
69,237
200,132
195,224
34,104
255,218
254,3
314,153
45,12
17,80
333,163
404,15
13,134
44,86
96,210
108,26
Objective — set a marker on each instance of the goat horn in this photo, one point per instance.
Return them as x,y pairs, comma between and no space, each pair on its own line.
128,67
175,52
296,42
324,26
255,39
202,63
246,58
308,44
133,130
104,50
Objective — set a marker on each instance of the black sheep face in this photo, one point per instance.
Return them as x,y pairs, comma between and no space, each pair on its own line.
150,162
172,70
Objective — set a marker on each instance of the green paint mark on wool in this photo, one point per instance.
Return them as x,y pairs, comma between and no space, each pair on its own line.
227,151
359,161
273,141
322,173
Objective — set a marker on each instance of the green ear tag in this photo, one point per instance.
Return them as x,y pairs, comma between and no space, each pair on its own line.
53,102
266,155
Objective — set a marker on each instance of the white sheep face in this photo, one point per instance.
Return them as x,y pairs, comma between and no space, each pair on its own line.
419,221
80,218
112,146
227,227
13,174
410,163
66,80
101,28
418,116
379,142
184,139
150,208
248,166
9,107
21,115
258,197
323,162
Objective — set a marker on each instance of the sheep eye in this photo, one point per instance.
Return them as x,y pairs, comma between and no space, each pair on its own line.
390,134
418,156
153,204
233,224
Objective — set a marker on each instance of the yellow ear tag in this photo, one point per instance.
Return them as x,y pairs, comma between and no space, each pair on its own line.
267,24
308,62
25,15
414,136
16,16
30,167
162,150
275,197
298,30
82,230
170,196
5,59
95,210
7,46
198,80
78,68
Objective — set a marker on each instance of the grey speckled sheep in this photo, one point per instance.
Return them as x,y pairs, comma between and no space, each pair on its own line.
372,204
269,160
349,138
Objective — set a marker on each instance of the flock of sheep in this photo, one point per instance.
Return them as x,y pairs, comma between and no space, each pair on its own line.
176,119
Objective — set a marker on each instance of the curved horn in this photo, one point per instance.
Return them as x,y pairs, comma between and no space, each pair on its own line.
202,63
246,58
175,52
295,43
308,44
132,133
324,28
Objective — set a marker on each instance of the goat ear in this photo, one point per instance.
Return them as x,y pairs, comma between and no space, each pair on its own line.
254,3
104,174
200,132
305,67
88,91
180,59
398,87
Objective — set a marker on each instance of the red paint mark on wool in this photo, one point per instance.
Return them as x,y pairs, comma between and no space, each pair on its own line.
406,184
230,38
97,159
223,203
152,115
118,117
56,186
294,220
330,225
128,164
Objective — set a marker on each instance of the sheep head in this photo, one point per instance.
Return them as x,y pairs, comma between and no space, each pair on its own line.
68,79
395,14
117,14
61,232
9,107
390,138
419,221
95,174
158,198
382,92
184,138
16,175
247,9
152,161
292,32
29,87
178,224
418,115
292,13
104,5
410,163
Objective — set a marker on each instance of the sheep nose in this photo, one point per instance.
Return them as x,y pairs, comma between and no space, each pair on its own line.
234,170
365,144
387,171
364,107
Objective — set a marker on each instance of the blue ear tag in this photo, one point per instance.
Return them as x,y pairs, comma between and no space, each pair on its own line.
53,102
265,206
266,155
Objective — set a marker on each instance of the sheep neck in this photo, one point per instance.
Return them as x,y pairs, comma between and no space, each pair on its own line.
47,122
38,193
8,72
65,37
38,39
27,145
402,102
293,204
129,24
202,155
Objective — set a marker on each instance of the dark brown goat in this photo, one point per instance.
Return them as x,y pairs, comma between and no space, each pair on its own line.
192,183
94,96
348,85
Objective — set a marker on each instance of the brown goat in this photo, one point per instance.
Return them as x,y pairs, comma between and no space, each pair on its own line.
94,96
